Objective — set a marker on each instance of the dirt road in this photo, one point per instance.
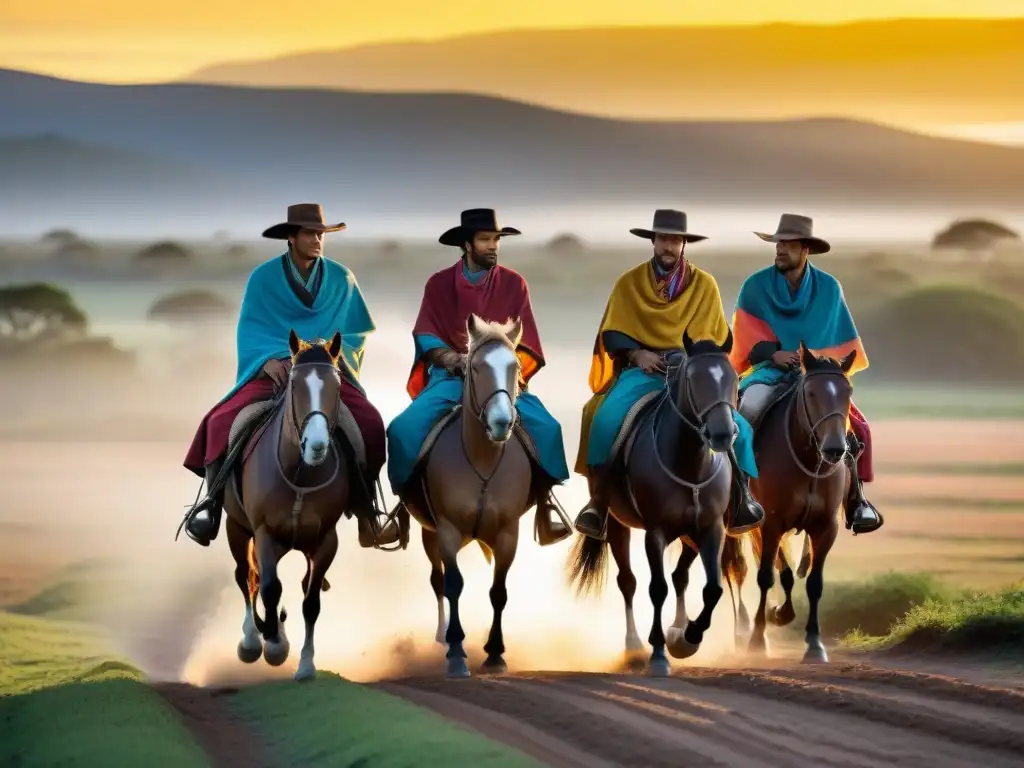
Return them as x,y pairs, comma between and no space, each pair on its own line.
840,715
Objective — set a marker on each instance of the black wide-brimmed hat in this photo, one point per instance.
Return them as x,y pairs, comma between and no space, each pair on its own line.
302,216
793,226
475,220
668,222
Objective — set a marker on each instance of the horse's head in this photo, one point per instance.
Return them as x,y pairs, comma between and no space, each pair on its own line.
704,389
312,399
824,396
492,374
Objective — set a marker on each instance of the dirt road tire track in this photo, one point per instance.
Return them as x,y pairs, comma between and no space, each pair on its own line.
228,742
837,715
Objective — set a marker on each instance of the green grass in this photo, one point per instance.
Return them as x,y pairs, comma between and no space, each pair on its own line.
985,623
65,701
952,469
871,606
332,722
885,401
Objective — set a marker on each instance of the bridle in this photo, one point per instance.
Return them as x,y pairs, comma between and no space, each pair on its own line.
678,375
804,416
477,409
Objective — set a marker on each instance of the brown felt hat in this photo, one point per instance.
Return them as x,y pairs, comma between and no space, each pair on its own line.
668,222
793,226
475,220
302,216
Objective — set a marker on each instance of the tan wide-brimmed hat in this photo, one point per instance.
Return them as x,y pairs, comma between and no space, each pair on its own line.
793,226
302,216
668,222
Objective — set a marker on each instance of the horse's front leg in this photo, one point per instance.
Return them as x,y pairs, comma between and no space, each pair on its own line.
449,541
680,581
504,553
654,543
250,647
321,561
711,558
268,553
821,543
781,615
770,539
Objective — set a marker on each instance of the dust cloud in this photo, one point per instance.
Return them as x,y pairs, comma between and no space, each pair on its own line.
112,488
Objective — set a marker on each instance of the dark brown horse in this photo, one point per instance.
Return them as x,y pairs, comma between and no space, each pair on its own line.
477,479
294,489
802,481
676,485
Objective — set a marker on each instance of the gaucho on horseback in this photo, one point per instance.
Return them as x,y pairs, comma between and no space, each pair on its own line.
651,307
476,285
315,297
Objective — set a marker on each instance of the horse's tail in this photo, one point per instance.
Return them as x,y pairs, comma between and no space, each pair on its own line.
587,565
488,555
734,565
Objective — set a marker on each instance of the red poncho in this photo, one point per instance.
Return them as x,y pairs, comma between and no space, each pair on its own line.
448,300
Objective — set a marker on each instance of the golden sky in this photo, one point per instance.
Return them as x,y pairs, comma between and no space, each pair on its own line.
132,41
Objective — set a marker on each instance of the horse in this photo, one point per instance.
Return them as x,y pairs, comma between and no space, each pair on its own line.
294,484
802,481
675,484
475,486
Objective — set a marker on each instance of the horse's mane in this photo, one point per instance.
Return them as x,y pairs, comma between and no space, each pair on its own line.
825,363
488,331
314,351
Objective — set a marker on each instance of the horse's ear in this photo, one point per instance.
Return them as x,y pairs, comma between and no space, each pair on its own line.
806,358
515,333
293,342
334,349
727,346
473,325
687,342
847,362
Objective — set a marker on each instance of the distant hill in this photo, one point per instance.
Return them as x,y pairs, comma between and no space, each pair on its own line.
400,155
911,71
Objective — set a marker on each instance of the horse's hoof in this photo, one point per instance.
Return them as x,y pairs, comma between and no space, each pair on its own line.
758,646
249,655
306,670
781,615
679,647
659,666
494,666
457,668
815,654
276,654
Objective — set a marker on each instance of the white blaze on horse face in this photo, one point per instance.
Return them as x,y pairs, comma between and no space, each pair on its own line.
316,436
502,362
832,389
717,373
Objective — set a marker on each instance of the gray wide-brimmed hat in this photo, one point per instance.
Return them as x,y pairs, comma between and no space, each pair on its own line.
668,222
302,216
793,226
475,220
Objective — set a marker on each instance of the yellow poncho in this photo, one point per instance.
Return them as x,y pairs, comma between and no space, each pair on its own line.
637,310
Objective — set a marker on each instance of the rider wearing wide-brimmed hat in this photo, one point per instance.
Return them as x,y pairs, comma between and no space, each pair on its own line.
476,284
316,297
778,307
650,308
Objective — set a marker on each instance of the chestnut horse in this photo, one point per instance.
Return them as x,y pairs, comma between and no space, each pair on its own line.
294,489
676,484
476,486
802,481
